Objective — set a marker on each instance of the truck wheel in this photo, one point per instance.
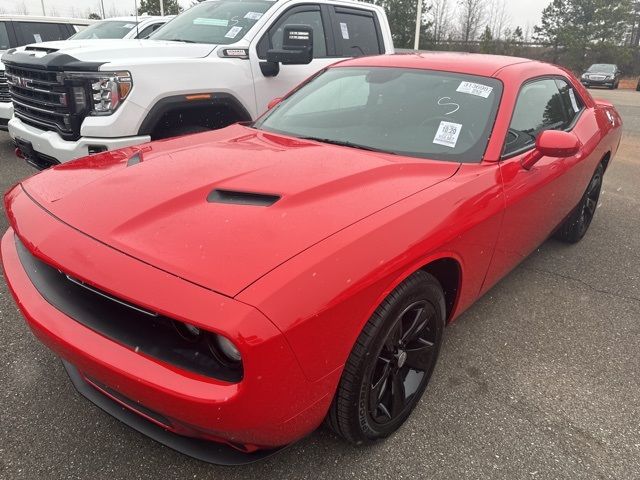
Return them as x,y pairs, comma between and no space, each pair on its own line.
577,224
391,362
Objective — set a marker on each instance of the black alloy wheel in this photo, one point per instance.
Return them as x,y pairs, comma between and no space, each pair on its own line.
406,356
576,225
391,362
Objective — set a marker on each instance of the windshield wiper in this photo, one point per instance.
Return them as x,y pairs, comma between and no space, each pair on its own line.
344,143
180,40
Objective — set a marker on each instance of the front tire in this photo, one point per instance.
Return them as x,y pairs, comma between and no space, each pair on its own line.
577,224
391,362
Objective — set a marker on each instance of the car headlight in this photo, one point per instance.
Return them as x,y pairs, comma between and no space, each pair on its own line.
107,90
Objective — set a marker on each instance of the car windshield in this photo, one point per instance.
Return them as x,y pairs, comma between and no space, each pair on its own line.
220,23
106,29
418,113
602,68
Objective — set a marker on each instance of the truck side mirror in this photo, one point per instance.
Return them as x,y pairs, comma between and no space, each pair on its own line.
297,49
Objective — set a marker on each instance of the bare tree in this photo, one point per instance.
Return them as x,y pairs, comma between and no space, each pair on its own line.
497,18
53,11
22,9
472,15
441,19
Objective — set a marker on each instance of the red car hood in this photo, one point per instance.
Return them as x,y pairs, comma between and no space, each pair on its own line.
151,202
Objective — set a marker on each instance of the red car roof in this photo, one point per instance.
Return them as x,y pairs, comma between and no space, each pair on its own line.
470,63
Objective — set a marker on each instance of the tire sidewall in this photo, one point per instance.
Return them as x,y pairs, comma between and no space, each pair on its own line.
433,294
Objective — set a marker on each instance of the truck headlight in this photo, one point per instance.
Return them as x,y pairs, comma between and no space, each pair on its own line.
107,89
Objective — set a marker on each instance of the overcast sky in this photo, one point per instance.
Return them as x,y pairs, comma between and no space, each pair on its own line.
521,12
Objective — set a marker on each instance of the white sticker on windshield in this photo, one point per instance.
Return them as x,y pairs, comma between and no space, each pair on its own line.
37,37
233,32
253,15
574,103
215,22
475,89
129,26
447,134
345,30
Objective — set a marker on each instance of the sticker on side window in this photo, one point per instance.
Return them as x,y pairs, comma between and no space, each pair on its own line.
476,89
37,37
574,103
253,15
447,134
345,30
233,32
215,22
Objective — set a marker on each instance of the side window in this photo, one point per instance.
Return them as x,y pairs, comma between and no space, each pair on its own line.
356,33
36,32
145,32
539,107
572,102
4,37
310,16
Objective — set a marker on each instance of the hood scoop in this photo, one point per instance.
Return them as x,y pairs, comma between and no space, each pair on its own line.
235,197
40,50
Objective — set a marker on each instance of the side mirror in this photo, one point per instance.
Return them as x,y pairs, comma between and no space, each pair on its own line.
552,143
297,49
274,103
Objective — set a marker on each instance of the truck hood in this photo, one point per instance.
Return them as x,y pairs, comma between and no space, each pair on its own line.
221,209
105,51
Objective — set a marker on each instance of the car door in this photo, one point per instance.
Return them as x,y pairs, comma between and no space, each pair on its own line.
536,200
337,34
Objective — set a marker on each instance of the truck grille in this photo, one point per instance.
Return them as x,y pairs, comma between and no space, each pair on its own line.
4,88
45,100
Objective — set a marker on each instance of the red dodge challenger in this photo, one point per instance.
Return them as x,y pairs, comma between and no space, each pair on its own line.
226,292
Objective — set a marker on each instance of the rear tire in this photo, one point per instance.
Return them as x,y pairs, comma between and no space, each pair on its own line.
391,362
577,224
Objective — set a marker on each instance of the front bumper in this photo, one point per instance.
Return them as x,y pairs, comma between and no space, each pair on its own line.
6,112
50,145
272,406
597,83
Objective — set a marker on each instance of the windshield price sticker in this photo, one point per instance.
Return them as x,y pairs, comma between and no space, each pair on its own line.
253,15
345,30
476,89
574,103
447,134
233,32
214,22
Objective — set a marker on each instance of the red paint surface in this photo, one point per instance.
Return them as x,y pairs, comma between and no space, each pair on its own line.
291,284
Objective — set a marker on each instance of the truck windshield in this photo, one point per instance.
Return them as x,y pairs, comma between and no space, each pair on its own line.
106,29
417,113
221,23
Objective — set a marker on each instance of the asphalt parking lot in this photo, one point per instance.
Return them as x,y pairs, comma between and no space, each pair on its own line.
539,380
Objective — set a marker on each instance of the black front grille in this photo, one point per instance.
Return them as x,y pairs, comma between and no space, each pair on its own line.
45,100
136,327
4,88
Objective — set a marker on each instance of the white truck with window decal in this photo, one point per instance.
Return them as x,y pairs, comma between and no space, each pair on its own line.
218,63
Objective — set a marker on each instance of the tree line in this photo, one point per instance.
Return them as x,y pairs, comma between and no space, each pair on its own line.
573,33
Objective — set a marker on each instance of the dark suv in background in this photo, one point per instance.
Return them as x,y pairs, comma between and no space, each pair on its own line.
601,75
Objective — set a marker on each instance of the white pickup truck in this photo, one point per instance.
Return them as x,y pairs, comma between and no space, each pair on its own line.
218,63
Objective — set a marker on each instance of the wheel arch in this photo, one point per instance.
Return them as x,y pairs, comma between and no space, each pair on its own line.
210,103
448,272
605,160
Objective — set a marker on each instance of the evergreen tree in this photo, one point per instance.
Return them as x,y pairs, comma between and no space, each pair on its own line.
401,15
152,7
